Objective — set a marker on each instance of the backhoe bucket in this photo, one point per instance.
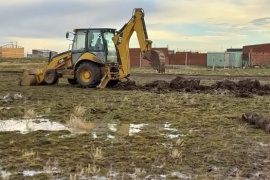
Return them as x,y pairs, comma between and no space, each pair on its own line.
156,60
30,77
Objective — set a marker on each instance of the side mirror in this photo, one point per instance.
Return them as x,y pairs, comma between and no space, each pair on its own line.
67,35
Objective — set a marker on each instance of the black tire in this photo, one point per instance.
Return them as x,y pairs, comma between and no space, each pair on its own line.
88,74
72,81
50,77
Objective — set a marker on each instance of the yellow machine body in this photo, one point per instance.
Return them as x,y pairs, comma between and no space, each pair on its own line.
96,68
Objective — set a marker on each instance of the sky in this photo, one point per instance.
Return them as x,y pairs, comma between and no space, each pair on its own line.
180,25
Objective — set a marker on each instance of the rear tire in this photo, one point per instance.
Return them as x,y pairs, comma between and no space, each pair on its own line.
88,74
72,81
50,77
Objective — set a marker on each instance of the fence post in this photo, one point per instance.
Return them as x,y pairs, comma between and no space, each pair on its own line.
249,59
186,60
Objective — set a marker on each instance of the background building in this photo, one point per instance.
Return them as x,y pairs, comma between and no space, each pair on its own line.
11,50
188,58
41,53
258,54
137,61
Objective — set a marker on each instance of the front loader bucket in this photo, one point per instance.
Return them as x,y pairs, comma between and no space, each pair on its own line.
30,77
156,60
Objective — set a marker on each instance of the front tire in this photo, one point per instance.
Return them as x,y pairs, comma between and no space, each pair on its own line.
88,74
51,77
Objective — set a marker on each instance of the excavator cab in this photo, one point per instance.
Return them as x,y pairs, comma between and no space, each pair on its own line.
97,42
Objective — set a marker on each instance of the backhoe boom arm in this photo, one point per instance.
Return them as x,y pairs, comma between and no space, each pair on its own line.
122,38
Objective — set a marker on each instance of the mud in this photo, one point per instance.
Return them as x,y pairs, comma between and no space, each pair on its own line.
246,88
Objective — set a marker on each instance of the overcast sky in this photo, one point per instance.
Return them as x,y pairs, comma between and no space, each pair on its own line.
183,25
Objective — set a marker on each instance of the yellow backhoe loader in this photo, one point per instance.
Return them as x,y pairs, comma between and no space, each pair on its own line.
99,56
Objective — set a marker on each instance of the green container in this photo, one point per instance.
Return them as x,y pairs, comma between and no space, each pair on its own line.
236,59
224,59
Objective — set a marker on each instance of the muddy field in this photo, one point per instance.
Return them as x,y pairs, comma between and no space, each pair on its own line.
164,128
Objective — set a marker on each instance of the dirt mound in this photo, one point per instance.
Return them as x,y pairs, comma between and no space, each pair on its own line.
158,84
249,85
225,85
126,85
244,88
258,120
180,83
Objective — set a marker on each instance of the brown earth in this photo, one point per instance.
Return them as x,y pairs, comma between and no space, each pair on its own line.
243,88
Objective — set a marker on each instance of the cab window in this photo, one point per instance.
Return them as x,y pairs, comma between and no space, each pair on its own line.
95,41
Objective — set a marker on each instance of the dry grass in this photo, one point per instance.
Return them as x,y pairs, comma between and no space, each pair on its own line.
92,169
79,111
96,154
79,124
29,113
176,154
29,154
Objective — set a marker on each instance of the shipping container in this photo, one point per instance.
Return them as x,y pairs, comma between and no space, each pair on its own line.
224,59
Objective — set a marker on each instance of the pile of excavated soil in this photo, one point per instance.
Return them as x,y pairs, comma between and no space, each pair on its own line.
258,120
188,85
126,85
243,88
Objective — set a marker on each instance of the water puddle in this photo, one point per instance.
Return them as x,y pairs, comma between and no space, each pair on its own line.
32,173
10,97
29,125
96,129
172,132
111,175
5,108
114,130
6,175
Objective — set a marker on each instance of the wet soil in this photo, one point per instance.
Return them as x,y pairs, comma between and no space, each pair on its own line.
245,88
195,135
